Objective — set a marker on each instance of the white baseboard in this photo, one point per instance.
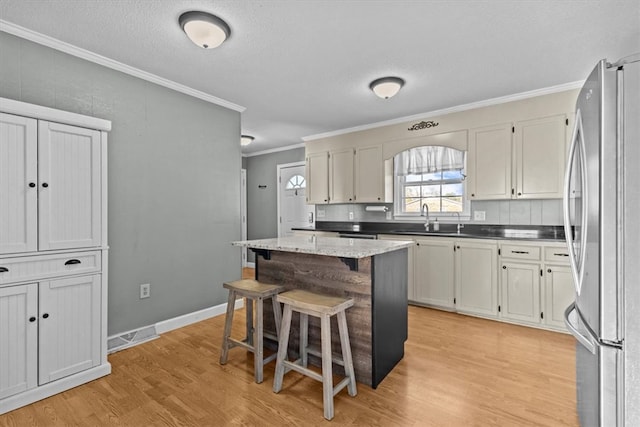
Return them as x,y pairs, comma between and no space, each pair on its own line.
184,320
251,264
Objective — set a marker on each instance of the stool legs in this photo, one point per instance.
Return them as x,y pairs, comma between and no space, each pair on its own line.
327,371
283,343
258,341
346,353
231,303
304,338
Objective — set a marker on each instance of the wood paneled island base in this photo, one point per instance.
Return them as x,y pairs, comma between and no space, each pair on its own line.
378,320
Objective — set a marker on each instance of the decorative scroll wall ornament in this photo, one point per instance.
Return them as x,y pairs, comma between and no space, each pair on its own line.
424,125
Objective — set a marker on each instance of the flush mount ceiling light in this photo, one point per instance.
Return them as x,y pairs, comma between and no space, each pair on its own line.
205,30
386,87
246,139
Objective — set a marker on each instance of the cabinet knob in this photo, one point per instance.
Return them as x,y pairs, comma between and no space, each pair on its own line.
32,319
378,198
473,195
32,184
72,261
4,270
46,315
519,194
548,270
504,267
45,185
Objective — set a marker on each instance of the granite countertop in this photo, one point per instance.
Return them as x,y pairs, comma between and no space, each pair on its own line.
330,246
473,231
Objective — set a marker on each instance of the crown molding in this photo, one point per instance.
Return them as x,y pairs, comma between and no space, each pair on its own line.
70,49
456,109
274,150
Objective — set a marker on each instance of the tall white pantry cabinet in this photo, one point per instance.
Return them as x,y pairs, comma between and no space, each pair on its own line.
53,251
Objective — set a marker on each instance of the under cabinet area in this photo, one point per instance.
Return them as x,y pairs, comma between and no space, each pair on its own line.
53,247
516,281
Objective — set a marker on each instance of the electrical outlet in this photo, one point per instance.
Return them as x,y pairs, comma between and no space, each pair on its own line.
350,215
320,213
145,290
479,215
389,215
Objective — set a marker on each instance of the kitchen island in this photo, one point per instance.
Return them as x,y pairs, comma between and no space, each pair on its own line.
372,272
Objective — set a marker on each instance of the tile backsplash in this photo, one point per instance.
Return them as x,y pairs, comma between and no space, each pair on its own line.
505,212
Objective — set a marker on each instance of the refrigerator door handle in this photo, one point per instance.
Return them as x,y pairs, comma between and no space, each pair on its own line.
570,319
576,144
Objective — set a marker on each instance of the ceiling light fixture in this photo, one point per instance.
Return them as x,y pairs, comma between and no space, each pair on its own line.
386,87
246,139
206,30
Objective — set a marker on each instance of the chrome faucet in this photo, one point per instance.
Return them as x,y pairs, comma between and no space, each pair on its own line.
425,208
460,225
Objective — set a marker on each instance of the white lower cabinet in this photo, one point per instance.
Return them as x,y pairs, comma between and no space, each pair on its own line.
536,284
433,273
476,277
18,339
520,292
48,330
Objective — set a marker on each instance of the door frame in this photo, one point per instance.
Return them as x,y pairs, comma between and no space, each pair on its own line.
243,214
278,171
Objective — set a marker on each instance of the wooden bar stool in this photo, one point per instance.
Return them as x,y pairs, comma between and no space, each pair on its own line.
252,290
322,306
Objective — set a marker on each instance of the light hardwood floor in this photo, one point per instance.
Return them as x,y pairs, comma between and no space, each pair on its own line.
457,371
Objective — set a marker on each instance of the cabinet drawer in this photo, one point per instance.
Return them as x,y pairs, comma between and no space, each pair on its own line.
556,254
31,268
521,252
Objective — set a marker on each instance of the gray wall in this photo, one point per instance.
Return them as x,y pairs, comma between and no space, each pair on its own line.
262,204
174,180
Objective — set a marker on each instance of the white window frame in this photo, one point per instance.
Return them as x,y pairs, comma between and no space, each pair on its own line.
398,184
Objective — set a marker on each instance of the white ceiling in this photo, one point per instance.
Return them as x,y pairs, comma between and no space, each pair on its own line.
303,67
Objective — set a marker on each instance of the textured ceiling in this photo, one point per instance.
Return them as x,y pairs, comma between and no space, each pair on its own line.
303,67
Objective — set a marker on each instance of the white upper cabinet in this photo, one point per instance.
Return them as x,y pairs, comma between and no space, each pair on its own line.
341,176
69,190
369,174
525,160
50,186
489,163
317,171
18,184
540,157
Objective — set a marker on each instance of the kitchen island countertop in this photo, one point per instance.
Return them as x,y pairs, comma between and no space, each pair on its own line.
329,246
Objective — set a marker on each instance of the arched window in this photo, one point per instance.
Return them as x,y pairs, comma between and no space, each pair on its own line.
433,175
295,182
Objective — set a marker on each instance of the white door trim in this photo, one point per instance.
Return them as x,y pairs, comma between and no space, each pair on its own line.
278,171
243,213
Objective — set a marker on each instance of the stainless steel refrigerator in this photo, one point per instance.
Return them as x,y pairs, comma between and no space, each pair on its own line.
602,225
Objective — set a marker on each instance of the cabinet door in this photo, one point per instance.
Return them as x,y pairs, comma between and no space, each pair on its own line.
317,171
18,190
69,191
410,257
433,273
341,176
540,157
559,293
69,339
369,175
18,339
489,163
477,278
521,292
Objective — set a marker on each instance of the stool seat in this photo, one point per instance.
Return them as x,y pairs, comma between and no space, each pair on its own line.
323,306
256,291
253,288
326,304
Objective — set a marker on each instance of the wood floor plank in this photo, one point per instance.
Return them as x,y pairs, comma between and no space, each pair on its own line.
457,371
